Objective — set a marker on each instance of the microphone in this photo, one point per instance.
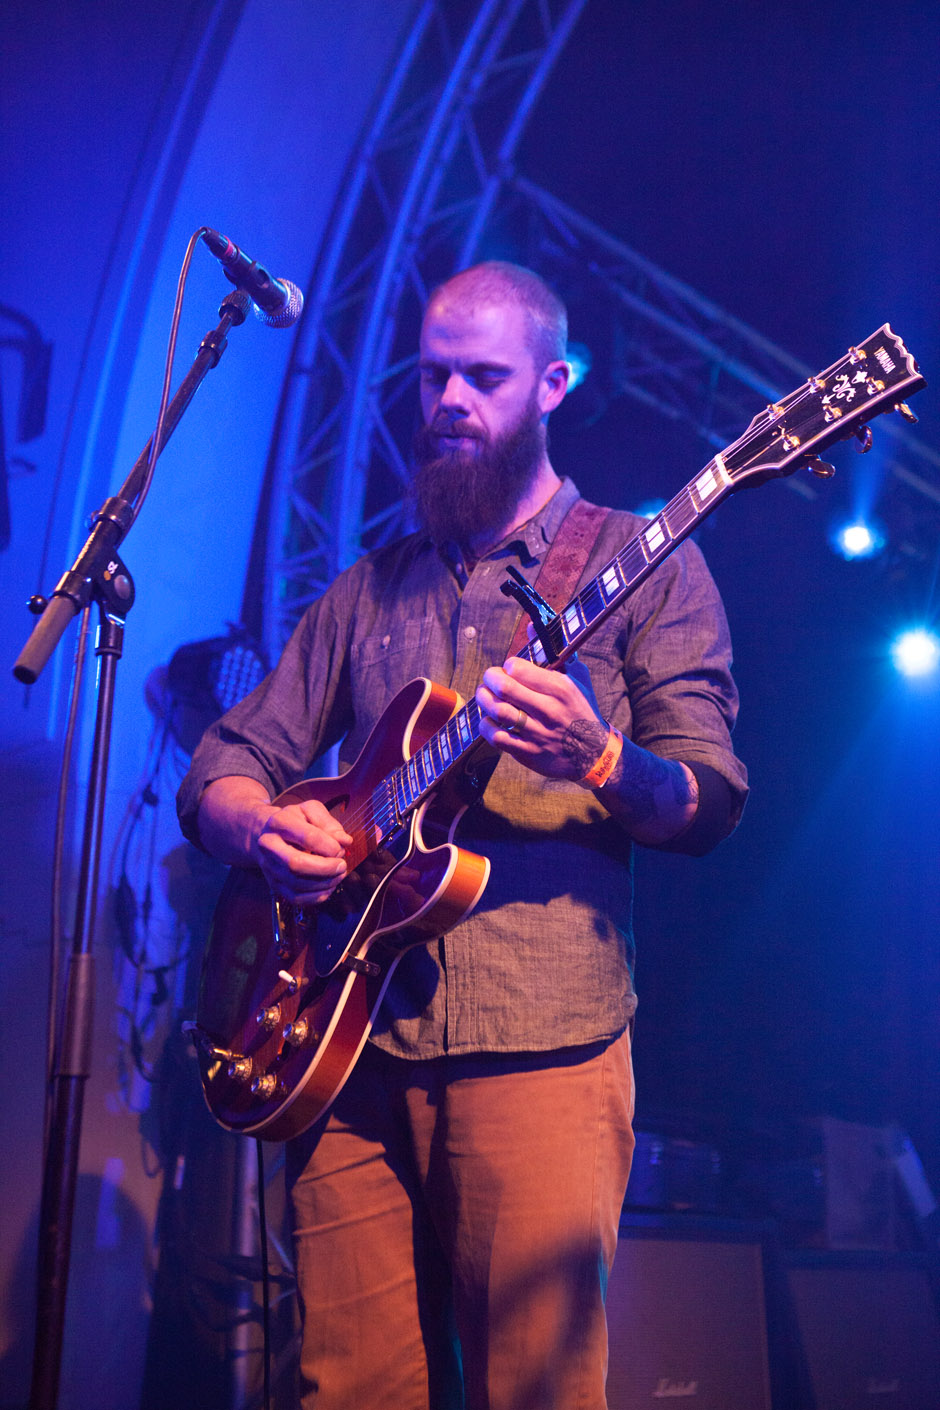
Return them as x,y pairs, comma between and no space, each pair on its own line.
277,302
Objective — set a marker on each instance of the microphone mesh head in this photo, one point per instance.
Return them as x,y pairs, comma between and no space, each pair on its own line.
289,314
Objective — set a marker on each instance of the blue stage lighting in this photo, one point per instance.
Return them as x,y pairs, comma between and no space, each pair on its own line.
579,362
858,540
649,508
916,652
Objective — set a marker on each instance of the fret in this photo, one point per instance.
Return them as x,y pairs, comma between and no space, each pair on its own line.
610,582
436,746
383,807
571,620
680,514
655,538
713,479
432,764
632,563
464,733
594,600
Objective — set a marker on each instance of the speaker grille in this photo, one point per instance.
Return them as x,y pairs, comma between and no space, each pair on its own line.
687,1326
871,1336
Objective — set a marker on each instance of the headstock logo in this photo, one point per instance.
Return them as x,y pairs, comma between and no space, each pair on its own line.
886,363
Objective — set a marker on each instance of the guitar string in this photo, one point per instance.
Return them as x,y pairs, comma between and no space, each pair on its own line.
675,517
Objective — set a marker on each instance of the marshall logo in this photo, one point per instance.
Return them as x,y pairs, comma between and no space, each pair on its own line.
667,1389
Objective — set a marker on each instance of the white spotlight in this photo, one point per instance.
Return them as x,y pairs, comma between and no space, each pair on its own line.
916,652
858,540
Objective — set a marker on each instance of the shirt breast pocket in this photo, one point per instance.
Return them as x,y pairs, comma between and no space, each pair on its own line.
383,662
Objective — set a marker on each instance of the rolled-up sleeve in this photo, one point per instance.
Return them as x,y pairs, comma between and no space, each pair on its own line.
276,732
683,702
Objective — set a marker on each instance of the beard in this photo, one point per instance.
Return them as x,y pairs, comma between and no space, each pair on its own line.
462,496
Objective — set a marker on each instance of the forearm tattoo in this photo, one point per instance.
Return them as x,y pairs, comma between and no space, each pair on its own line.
642,784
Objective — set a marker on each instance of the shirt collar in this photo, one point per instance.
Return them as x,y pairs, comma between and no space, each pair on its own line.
530,540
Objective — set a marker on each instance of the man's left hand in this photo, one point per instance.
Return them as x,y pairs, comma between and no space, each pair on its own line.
548,720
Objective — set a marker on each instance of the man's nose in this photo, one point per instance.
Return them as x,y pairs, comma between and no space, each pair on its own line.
454,400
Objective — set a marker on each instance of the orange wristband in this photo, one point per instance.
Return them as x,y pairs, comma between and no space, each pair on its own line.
598,775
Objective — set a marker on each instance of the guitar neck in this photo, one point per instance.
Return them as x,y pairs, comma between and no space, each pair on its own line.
573,625
633,564
869,379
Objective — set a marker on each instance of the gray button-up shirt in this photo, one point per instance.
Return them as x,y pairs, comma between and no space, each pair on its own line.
545,960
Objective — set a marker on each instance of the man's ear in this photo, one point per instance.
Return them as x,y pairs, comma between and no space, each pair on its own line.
554,384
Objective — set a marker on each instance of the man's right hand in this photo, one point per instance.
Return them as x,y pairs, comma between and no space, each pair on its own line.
300,847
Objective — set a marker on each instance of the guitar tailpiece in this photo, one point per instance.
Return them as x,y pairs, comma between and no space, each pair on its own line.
360,966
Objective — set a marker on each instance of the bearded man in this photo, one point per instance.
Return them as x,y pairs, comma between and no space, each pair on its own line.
456,1212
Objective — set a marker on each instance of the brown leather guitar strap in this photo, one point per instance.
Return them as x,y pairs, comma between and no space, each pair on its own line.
564,563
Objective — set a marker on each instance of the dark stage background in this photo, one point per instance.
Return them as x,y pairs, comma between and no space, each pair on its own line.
785,163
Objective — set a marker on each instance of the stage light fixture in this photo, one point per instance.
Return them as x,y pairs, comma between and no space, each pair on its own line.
858,540
649,508
579,362
206,678
916,652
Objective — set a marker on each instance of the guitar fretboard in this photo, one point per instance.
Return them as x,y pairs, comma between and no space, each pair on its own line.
869,379
406,786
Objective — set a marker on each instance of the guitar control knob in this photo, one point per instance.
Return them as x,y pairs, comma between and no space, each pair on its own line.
292,984
296,1033
264,1086
240,1069
269,1017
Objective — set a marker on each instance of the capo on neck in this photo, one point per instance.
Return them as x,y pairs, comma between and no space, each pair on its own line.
535,605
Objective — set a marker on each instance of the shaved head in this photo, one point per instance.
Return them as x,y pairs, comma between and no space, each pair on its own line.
497,282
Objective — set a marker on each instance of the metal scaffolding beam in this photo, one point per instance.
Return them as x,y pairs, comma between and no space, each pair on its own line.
430,169
434,185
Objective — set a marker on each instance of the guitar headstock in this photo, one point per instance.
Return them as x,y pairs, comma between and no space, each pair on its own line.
873,377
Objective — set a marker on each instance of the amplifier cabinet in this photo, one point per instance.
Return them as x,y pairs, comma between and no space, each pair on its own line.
686,1317
869,1330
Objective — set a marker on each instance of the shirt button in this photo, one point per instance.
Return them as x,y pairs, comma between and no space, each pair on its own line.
469,633
386,642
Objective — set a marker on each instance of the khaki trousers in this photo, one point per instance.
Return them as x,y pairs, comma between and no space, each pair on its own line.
455,1224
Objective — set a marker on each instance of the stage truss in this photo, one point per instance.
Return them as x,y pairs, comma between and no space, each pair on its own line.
433,187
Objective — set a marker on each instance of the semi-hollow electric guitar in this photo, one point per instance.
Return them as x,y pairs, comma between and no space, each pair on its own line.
289,993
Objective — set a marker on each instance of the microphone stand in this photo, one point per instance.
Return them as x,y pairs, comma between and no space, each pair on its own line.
98,574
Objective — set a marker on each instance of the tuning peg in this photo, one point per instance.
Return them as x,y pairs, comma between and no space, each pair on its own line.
904,410
864,437
822,468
